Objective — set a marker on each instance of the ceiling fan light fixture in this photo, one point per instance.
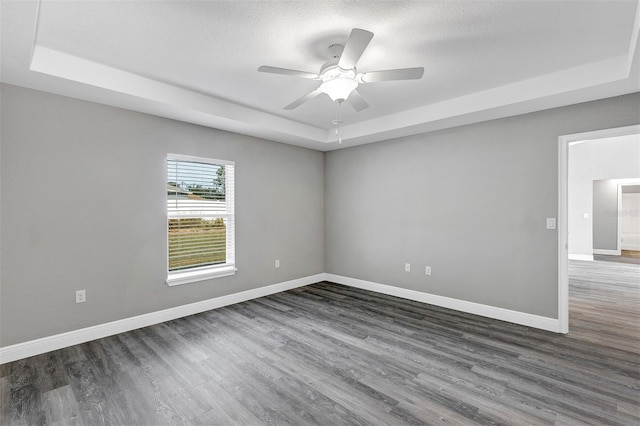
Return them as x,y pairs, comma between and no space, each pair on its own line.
339,75
339,88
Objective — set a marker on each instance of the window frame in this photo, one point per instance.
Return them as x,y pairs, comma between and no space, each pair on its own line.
201,273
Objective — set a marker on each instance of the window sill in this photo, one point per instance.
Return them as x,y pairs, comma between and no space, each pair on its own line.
186,277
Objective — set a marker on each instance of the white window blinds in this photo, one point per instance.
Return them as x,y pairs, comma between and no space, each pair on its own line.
200,217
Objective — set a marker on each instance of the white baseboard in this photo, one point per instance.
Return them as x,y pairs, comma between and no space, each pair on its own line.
522,318
580,257
63,340
607,252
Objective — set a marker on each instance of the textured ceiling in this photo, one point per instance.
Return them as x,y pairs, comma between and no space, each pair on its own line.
197,61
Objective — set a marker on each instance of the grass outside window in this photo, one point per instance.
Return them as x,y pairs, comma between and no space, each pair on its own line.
196,242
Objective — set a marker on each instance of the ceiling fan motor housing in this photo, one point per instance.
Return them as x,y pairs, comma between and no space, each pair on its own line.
335,51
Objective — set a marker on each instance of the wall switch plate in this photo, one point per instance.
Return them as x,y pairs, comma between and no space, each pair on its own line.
585,215
81,296
551,223
427,270
407,267
277,263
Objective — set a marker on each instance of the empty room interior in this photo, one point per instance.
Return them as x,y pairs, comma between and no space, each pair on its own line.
319,212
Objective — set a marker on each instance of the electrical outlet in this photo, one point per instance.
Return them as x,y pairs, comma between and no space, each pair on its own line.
81,296
277,263
407,267
427,270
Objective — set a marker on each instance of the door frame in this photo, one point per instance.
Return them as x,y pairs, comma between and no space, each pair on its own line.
564,142
622,183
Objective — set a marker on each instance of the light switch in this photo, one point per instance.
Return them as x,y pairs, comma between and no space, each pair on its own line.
551,223
585,216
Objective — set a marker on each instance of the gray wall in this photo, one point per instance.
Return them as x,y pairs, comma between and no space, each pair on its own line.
83,207
605,218
83,199
470,202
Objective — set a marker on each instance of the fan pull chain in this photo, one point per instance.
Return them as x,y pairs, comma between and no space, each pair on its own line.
337,122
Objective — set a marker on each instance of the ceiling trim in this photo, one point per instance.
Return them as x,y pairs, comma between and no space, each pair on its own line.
59,64
609,77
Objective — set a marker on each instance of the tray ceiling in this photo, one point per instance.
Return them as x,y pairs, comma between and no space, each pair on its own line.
197,61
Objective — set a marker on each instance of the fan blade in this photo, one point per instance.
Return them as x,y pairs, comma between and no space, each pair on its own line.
354,47
305,98
286,71
390,75
357,101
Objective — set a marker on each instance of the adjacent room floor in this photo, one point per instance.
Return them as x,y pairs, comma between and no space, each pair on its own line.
627,256
329,354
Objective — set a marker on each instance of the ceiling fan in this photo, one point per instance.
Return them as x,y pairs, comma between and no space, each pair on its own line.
339,76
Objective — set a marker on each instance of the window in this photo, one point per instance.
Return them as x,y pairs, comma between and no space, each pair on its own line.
200,219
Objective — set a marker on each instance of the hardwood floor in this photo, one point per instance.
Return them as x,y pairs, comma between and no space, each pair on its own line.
631,253
328,354
626,256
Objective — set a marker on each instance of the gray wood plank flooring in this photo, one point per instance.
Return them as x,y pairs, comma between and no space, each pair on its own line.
333,355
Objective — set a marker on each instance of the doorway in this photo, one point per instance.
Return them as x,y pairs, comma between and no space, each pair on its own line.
585,251
629,221
616,220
